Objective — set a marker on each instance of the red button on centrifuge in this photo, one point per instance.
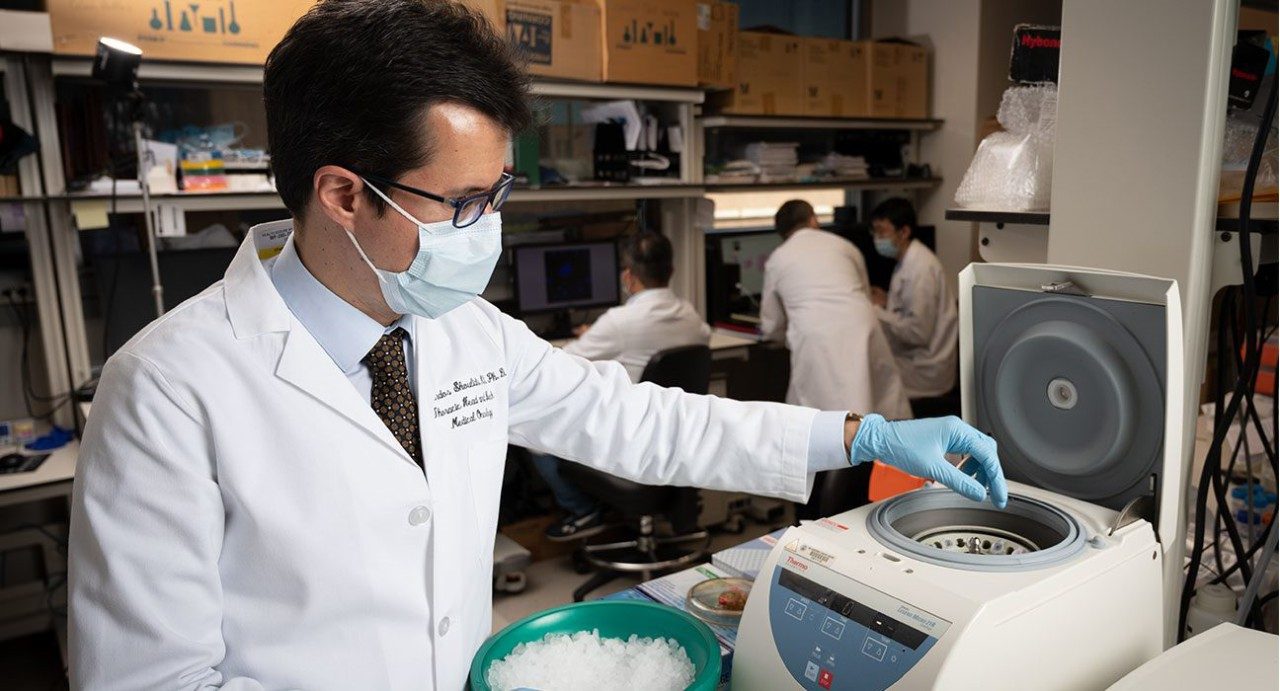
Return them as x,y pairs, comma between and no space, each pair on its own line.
824,679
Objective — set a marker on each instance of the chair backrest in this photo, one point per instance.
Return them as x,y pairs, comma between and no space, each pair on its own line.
685,367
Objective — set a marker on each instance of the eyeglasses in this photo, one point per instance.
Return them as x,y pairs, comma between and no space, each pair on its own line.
468,209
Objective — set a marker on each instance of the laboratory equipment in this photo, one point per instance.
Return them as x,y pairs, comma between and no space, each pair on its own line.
565,275
116,63
612,619
719,601
1225,657
1078,375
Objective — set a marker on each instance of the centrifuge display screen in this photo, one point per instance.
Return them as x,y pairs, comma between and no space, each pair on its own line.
837,634
857,612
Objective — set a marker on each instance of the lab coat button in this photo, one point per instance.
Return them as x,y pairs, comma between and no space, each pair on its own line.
444,626
419,515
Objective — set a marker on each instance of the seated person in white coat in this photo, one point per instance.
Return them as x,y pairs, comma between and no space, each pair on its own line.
291,481
652,319
918,313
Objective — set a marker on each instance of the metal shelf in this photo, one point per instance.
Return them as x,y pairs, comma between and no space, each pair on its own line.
617,92
189,201
1263,217
239,201
1029,218
252,74
871,184
806,123
168,71
570,193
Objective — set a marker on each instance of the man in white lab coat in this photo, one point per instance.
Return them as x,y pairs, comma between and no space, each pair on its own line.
652,319
815,298
919,311
292,479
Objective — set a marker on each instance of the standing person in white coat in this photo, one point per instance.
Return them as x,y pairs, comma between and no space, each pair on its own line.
918,313
292,479
652,319
815,298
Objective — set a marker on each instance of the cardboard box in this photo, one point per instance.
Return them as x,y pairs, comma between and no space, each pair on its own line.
882,79
650,41
835,78
559,39
223,31
911,72
717,44
769,82
492,9
849,94
817,74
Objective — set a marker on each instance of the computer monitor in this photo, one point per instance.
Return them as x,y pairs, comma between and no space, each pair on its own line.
124,286
565,275
735,271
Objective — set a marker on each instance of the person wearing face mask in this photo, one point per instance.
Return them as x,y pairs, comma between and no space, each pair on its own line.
652,319
292,480
918,313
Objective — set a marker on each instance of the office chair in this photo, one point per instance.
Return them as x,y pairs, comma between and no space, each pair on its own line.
687,368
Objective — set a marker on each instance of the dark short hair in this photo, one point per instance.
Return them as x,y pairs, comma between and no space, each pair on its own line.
650,258
898,212
792,215
350,82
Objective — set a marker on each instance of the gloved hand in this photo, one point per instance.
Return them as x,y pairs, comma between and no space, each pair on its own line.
917,447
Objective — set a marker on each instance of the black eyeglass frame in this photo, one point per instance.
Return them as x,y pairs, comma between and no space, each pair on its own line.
494,197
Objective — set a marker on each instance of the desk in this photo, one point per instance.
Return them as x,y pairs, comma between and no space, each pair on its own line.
27,606
53,478
723,346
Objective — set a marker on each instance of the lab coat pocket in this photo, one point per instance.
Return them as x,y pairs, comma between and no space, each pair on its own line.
486,461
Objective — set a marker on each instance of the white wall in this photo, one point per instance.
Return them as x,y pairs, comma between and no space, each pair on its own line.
969,40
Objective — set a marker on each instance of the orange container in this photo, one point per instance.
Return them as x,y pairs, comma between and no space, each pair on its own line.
888,482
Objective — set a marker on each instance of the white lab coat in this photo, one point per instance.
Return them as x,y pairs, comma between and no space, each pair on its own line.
920,320
650,321
242,518
815,295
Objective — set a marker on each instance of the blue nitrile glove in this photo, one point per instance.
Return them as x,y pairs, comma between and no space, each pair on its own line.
917,447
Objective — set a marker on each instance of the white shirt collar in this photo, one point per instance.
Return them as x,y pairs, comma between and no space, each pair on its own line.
345,333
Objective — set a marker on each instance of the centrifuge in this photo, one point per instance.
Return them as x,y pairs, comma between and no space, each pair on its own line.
1078,375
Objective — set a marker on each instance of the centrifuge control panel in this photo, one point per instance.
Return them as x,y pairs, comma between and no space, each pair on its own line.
855,638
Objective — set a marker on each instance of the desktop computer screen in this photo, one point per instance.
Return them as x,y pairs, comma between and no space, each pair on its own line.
124,286
560,276
735,272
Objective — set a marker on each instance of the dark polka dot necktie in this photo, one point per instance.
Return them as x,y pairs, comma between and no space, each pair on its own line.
392,397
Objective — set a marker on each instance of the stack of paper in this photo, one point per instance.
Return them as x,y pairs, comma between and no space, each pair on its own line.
843,167
777,160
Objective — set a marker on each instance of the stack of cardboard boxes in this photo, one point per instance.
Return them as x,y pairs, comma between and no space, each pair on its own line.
624,41
836,78
685,43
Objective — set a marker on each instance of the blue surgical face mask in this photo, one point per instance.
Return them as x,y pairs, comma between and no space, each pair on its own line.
886,247
452,267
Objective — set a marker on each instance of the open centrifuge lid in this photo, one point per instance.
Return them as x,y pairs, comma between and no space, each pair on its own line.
1077,373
